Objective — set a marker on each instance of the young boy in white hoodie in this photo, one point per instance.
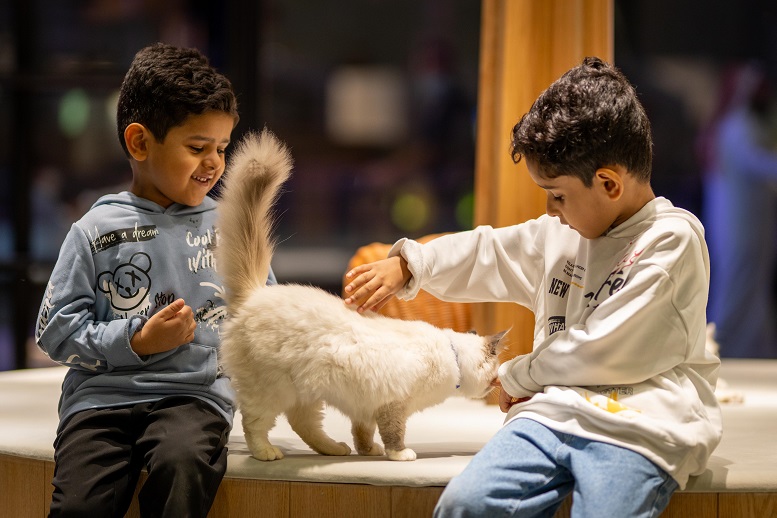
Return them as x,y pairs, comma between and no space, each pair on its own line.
615,403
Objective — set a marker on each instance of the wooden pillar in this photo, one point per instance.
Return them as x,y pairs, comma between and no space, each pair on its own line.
525,45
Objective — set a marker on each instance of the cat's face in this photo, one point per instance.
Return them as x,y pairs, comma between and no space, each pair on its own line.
478,358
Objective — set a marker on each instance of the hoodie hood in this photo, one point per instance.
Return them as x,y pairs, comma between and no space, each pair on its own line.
656,209
129,201
655,212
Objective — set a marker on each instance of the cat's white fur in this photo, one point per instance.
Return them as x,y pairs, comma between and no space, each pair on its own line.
293,349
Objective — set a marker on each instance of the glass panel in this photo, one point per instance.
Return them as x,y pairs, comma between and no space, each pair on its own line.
61,64
377,101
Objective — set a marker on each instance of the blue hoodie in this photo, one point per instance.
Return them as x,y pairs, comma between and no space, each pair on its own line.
126,259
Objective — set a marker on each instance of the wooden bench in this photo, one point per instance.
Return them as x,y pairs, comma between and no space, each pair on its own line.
741,479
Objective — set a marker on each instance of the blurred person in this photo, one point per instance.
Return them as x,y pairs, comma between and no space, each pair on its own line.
740,214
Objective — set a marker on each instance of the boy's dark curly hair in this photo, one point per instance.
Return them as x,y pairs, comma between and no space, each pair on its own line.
589,118
166,84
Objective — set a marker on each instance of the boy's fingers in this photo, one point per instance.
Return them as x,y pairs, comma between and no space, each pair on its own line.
356,271
357,295
187,324
380,304
372,303
352,299
186,312
172,309
357,282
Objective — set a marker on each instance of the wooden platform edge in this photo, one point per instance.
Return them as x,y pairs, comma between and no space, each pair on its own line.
25,491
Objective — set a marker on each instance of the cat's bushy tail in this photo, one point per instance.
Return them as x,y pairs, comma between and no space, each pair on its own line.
254,175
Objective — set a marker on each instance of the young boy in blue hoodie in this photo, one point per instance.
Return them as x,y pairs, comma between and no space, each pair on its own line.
134,306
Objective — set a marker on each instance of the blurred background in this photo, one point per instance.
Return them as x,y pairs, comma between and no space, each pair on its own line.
376,99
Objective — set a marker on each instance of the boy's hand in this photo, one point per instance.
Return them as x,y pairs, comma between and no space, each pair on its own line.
372,285
167,329
506,401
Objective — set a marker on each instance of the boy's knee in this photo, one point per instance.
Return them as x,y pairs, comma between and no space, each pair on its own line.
179,461
460,498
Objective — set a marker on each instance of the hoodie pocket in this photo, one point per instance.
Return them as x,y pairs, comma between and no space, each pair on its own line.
192,363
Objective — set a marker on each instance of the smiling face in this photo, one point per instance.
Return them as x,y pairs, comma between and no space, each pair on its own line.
186,165
590,211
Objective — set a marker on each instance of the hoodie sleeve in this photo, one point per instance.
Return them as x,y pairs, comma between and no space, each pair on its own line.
482,265
638,331
68,330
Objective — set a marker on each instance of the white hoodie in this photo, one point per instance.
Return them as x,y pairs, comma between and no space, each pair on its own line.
619,342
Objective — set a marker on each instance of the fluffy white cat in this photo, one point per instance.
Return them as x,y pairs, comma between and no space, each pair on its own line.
292,349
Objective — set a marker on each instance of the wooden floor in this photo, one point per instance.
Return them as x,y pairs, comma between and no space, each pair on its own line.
25,491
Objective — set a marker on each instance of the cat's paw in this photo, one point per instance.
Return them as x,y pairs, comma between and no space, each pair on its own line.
268,453
406,454
343,449
376,450
332,448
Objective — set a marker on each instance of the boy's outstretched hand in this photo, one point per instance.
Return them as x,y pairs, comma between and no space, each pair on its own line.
170,327
372,285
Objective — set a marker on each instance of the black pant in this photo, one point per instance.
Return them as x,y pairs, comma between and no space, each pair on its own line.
99,453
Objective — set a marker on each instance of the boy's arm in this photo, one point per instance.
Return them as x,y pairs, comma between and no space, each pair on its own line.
481,265
67,329
636,333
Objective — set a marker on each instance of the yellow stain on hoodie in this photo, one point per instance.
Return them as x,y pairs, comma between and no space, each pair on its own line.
610,404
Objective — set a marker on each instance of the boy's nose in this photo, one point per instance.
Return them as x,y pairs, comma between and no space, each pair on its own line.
211,162
550,207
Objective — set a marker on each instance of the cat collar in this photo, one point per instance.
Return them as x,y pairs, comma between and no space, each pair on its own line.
456,354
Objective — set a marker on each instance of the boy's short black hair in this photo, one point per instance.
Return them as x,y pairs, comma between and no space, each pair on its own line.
166,84
589,118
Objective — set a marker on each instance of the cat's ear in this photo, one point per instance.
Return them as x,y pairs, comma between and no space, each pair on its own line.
494,342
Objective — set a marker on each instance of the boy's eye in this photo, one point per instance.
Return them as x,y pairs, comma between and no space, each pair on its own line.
196,149
222,151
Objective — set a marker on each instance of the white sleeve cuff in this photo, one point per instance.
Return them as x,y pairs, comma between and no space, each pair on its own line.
515,378
411,251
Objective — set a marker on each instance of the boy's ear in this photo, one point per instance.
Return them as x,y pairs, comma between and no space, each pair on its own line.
611,181
136,137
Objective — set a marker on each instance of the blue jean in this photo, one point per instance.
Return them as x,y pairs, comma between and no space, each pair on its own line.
527,470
